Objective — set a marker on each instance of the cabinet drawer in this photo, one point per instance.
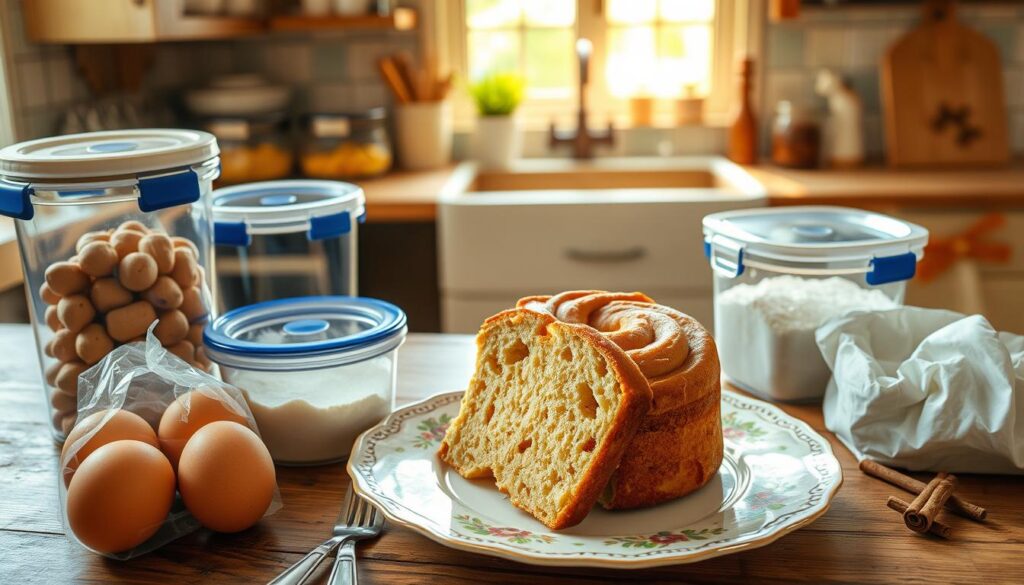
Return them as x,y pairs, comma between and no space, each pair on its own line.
549,248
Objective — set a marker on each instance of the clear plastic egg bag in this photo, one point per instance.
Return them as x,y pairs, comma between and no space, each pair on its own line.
144,379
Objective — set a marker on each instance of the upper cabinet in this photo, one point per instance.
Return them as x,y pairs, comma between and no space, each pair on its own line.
142,21
127,21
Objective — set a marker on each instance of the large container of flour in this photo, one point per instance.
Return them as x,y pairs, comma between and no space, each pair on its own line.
780,273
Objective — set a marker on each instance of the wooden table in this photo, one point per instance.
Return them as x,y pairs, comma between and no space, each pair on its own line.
859,540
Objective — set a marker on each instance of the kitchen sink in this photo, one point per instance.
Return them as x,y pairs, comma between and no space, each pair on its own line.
548,225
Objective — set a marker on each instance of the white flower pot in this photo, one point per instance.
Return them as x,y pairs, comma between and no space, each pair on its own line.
497,142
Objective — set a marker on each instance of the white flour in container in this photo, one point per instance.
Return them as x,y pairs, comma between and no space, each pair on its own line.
765,331
314,416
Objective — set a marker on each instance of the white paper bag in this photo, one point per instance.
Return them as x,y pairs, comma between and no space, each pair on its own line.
926,389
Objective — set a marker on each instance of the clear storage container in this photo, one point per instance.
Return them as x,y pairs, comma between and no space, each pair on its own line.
346,146
780,273
316,371
252,148
282,239
115,232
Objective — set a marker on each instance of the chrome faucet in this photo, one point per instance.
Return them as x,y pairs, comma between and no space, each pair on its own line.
582,139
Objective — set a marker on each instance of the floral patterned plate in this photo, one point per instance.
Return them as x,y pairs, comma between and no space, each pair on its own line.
778,475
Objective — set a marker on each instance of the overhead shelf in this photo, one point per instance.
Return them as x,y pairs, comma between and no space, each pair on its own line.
399,19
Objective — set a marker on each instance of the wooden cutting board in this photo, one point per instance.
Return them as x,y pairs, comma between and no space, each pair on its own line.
942,94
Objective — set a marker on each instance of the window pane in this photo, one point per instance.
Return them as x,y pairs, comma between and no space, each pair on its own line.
631,11
493,13
549,63
684,60
493,52
550,12
632,55
686,10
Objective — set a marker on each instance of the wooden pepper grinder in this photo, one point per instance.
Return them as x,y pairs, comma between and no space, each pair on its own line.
743,133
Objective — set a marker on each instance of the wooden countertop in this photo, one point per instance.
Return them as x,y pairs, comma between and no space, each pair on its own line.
858,540
411,196
883,188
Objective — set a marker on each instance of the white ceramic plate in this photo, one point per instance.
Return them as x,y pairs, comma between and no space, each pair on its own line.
778,475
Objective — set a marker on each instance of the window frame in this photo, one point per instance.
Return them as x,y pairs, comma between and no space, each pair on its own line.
733,36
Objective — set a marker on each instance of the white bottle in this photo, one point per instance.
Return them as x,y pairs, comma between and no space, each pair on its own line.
844,129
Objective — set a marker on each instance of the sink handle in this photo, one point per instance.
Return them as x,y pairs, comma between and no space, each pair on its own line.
606,256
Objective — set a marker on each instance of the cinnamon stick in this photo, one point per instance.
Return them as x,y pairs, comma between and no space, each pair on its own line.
937,528
955,504
920,514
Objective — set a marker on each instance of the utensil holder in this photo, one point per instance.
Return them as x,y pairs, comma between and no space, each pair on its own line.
424,132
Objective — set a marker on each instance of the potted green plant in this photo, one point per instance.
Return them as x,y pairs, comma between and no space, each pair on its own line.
497,96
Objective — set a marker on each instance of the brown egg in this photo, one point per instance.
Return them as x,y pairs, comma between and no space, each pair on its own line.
62,346
107,294
195,333
123,425
180,242
63,404
161,249
92,343
130,321
75,312
52,321
90,237
164,294
192,304
185,350
185,272
135,225
50,374
66,278
226,477
47,295
186,415
137,271
48,348
120,496
171,328
67,377
201,358
126,241
98,259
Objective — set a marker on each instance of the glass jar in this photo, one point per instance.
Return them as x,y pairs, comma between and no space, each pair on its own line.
780,273
282,239
796,137
316,371
114,230
346,146
252,148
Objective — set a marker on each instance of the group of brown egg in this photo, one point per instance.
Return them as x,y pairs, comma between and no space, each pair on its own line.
121,482
118,282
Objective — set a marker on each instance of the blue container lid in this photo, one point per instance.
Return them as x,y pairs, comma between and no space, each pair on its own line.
305,333
322,209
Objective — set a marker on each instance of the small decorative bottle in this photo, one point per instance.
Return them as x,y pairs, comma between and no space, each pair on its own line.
743,133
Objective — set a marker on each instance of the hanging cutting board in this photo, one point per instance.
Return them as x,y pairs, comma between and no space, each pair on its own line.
942,94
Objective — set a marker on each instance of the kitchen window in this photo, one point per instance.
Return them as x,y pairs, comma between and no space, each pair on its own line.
665,49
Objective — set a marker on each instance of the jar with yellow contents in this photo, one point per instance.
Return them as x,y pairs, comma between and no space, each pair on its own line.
346,146
253,148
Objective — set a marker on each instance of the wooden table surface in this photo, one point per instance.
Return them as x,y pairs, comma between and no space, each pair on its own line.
859,540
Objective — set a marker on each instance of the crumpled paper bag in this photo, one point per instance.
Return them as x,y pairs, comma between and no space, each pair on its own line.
926,389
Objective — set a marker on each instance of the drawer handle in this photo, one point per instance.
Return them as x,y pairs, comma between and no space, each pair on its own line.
606,256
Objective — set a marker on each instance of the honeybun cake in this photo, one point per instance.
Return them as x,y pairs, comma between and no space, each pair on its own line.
679,445
590,396
549,412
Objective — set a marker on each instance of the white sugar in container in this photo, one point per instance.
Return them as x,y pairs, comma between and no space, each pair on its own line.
780,273
316,371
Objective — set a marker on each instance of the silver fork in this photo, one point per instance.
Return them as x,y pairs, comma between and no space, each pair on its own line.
357,520
344,570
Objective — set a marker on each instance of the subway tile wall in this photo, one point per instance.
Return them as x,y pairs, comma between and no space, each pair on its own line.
852,41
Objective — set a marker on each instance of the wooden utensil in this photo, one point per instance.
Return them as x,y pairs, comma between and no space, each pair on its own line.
942,92
393,78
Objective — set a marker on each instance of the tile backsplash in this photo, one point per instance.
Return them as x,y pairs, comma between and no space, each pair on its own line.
852,41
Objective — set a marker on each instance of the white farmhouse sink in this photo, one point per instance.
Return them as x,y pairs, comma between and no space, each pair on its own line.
552,225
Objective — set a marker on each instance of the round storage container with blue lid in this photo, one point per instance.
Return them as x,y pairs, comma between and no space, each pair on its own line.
282,239
780,273
316,371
